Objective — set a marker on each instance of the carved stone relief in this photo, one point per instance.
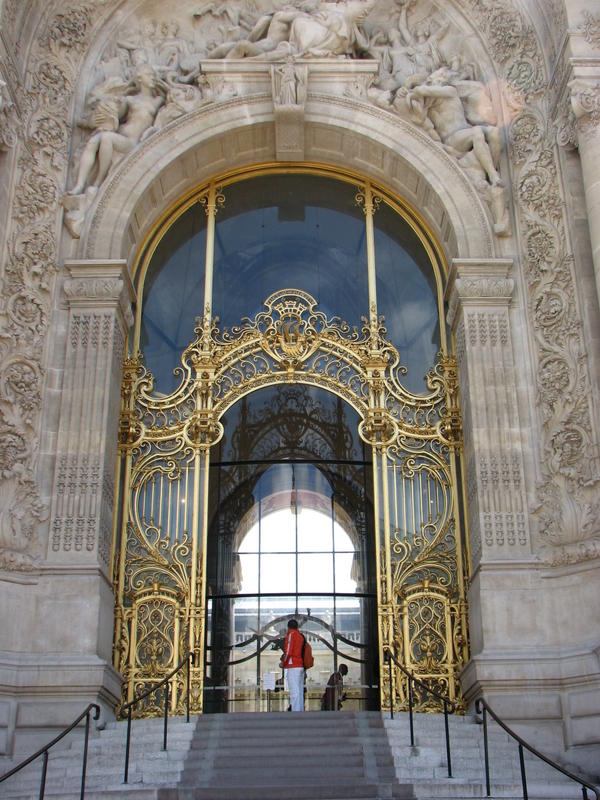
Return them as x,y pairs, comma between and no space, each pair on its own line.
585,101
591,28
40,108
478,313
153,74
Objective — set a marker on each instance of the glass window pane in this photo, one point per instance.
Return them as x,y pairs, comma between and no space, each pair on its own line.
315,572
341,539
249,543
278,532
173,296
345,580
406,295
283,419
278,573
290,231
314,532
249,573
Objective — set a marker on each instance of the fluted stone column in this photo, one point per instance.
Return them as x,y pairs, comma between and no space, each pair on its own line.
585,101
99,297
479,295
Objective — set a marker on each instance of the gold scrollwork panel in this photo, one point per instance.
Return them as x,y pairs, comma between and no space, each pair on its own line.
428,588
158,623
157,631
165,443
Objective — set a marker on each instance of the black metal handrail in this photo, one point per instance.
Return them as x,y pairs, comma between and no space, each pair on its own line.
481,706
44,751
165,682
449,706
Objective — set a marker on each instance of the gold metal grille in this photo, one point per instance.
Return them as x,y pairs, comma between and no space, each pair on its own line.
165,445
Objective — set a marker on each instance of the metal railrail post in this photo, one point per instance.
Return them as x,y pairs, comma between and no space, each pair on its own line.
480,705
43,778
187,702
43,751
388,657
488,790
127,745
446,725
523,776
166,715
85,755
410,711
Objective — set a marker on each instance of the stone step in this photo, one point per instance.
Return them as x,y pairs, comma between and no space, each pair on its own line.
352,756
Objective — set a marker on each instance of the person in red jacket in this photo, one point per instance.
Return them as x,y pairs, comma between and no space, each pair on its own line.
293,663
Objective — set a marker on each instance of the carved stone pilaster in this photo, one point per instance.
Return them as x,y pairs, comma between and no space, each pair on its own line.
479,294
99,296
585,102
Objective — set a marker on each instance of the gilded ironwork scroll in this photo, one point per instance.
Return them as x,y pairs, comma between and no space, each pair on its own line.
165,445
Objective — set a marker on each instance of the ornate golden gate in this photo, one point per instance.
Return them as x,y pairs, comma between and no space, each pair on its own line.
165,448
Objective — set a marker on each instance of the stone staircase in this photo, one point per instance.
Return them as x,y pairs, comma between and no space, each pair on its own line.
279,756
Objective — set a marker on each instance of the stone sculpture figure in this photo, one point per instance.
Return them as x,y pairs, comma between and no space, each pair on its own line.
334,30
443,106
290,84
270,32
119,121
182,97
312,29
415,82
420,49
142,48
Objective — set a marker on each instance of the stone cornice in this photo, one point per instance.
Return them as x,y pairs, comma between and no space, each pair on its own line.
95,283
478,282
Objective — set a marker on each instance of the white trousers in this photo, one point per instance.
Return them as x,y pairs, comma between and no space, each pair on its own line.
295,679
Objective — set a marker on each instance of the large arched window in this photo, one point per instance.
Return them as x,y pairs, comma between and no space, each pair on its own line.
289,442
291,229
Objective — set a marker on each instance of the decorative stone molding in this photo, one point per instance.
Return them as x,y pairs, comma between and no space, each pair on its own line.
31,262
157,71
99,297
590,27
8,126
585,101
565,125
479,294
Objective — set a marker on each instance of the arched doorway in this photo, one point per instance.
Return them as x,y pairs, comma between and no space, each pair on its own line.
290,534
232,251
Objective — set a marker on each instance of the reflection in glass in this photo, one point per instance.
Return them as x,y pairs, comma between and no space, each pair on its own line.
406,295
290,231
290,534
173,296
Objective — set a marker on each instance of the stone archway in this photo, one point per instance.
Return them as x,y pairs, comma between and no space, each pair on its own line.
159,174
337,132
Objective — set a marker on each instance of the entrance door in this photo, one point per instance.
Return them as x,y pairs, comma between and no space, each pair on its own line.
290,535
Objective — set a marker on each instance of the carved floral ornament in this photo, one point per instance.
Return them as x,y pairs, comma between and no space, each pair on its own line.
591,28
585,101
